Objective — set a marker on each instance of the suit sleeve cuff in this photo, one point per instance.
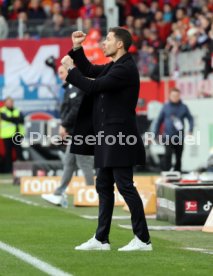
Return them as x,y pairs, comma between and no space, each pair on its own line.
75,51
70,69
69,77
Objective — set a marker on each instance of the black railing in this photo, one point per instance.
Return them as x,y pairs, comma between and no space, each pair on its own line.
47,28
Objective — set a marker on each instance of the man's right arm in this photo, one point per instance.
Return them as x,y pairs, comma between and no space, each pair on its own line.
79,58
9,119
84,65
159,121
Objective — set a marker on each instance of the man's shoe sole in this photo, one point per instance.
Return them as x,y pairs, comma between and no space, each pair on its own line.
94,249
140,249
49,201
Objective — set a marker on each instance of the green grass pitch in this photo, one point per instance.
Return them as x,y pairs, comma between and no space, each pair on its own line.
51,233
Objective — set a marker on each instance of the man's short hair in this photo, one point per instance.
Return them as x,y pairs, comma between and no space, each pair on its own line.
8,98
123,35
174,89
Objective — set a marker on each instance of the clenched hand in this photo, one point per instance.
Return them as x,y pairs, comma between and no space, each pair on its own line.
67,62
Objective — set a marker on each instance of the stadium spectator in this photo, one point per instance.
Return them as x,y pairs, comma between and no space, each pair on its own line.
47,6
99,21
69,110
154,7
11,124
87,10
76,4
138,26
163,28
210,5
172,116
167,13
54,27
56,9
16,7
141,10
68,11
36,11
133,49
23,25
145,60
3,27
129,23
98,2
93,34
58,25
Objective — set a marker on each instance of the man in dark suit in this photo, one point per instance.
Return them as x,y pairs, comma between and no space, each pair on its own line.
108,112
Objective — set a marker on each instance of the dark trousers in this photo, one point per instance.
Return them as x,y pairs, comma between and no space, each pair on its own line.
170,150
123,177
9,145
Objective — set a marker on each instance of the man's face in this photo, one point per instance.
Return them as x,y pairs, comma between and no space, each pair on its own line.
111,45
174,97
9,103
62,73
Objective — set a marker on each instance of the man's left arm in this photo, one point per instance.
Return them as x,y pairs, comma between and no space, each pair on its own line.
14,120
71,116
117,78
190,119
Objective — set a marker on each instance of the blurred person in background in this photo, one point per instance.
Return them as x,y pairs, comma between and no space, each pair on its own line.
69,110
87,10
55,25
68,11
22,25
93,33
142,10
58,25
56,9
172,116
36,11
3,27
11,127
129,23
99,22
14,10
47,6
167,13
163,28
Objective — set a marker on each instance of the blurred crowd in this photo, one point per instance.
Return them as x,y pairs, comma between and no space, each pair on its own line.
52,14
43,9
174,25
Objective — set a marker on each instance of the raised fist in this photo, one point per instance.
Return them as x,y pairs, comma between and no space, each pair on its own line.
78,37
67,62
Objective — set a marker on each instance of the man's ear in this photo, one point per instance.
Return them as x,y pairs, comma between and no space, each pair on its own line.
120,44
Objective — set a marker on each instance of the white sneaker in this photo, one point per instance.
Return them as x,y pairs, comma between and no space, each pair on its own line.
136,245
93,244
51,198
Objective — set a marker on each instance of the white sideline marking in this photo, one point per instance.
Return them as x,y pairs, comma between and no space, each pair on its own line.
167,228
202,250
6,181
115,217
22,200
27,258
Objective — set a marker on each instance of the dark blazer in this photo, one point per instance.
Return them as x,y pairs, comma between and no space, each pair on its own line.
70,106
108,106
